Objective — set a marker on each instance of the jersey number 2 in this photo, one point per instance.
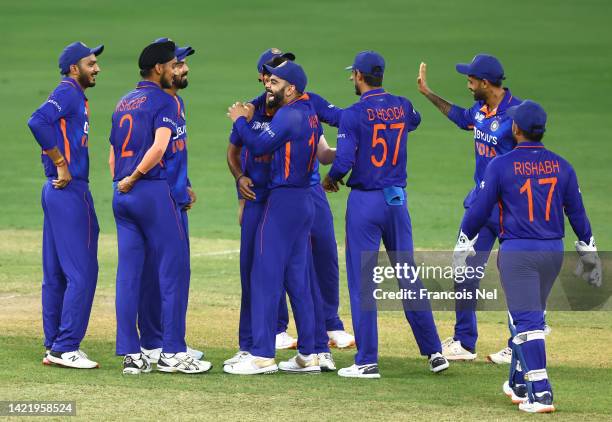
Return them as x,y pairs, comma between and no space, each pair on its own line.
125,153
377,140
552,181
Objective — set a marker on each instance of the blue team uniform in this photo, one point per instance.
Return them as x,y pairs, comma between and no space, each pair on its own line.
175,159
281,242
70,228
147,220
492,137
372,141
532,187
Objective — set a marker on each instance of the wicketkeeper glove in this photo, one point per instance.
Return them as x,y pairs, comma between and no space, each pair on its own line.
589,264
464,248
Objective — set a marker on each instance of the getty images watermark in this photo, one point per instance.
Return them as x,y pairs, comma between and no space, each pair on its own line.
427,280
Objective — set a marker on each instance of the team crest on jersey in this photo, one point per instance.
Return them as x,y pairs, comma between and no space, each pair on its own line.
494,125
479,117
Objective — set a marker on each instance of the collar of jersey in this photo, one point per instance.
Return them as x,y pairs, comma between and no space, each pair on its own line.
68,80
505,103
147,84
530,144
295,100
371,93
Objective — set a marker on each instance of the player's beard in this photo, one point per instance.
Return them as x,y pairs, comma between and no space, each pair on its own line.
86,80
357,90
479,95
275,98
165,82
180,82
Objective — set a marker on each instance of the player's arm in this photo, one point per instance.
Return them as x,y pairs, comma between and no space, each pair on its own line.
574,209
111,161
327,112
151,158
346,152
478,213
325,154
269,139
243,182
460,116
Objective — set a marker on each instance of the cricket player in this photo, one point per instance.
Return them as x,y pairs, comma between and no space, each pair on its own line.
149,312
532,187
324,246
143,124
492,137
372,142
281,243
70,229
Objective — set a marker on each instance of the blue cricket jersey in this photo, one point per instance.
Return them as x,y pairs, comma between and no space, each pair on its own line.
326,112
63,121
136,118
492,133
257,168
372,141
292,137
176,159
532,187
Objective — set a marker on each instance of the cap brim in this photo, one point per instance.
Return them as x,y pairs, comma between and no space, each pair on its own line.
463,68
289,56
96,51
349,67
183,52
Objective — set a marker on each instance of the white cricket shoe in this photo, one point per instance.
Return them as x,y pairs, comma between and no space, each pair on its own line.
341,339
452,350
136,363
241,354
252,365
194,353
438,363
301,364
543,404
360,371
285,341
152,355
181,362
326,362
518,394
504,356
75,359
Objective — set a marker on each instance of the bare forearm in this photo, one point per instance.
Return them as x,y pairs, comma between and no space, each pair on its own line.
154,154
442,105
56,156
325,154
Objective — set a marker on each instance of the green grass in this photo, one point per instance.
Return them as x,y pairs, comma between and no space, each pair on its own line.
553,52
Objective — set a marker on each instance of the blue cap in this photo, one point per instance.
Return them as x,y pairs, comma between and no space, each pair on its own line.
181,53
369,62
291,72
529,116
75,52
269,55
483,66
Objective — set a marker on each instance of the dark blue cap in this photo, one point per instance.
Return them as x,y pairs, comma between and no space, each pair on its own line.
181,53
75,52
529,116
291,72
483,66
270,54
369,62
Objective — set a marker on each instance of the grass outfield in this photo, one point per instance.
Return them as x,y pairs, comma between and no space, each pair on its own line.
554,52
580,368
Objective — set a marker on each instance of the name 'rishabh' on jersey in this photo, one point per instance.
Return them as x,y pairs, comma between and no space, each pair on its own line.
63,121
492,132
136,118
372,140
292,137
532,187
176,158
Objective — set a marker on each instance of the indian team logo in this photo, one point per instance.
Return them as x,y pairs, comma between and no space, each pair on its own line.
494,125
479,117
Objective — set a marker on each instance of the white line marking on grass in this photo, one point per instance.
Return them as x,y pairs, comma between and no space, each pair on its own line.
228,252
